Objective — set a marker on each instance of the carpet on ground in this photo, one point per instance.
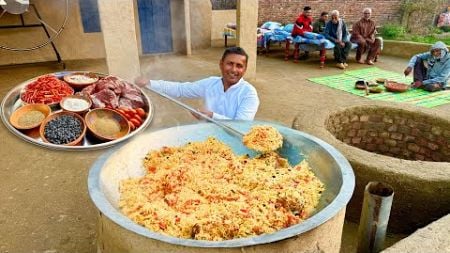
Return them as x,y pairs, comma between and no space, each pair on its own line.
346,82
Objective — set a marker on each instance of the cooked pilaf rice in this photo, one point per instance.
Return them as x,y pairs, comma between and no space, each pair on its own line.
203,191
263,139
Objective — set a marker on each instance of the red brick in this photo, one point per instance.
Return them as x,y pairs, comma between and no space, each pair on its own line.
364,118
433,146
397,136
376,118
351,133
356,140
391,143
392,128
419,157
354,118
414,147
388,120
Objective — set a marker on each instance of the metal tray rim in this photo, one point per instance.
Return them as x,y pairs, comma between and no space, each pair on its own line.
29,139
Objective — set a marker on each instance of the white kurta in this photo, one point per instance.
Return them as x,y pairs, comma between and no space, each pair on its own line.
239,102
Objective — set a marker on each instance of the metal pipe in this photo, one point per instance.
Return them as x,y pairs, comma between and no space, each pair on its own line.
374,217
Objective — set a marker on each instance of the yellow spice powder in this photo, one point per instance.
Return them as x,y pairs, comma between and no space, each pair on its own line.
31,118
107,126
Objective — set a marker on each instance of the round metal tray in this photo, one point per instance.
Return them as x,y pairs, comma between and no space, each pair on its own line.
12,101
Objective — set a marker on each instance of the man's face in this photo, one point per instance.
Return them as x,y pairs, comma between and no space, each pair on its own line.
308,13
367,14
334,18
325,17
436,53
233,68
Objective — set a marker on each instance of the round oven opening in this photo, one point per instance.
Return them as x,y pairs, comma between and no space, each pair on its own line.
393,132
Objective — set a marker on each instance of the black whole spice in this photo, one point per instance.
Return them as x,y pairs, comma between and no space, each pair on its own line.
63,129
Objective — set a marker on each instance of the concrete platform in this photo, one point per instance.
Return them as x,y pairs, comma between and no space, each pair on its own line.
45,205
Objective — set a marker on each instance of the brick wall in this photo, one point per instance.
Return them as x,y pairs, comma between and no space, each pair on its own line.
393,133
286,11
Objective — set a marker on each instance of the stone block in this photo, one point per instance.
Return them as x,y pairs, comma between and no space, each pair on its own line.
383,148
354,118
447,133
411,123
419,157
392,128
395,150
416,132
436,130
373,134
362,132
391,143
387,119
437,157
356,140
409,138
397,136
356,125
400,120
371,147
424,127
376,118
384,135
364,118
345,119
433,146
378,140
404,129
351,133
429,136
413,147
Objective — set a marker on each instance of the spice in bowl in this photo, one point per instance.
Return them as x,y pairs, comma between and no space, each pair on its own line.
31,118
107,126
63,129
76,103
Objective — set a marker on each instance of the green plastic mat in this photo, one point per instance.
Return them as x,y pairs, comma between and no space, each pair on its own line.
346,82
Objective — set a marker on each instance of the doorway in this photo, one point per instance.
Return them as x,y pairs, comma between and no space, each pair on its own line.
155,26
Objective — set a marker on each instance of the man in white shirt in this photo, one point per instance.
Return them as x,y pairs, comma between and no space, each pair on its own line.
228,97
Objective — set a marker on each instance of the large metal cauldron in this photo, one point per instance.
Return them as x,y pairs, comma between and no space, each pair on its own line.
327,163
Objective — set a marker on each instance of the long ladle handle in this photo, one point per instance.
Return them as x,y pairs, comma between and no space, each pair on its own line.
187,107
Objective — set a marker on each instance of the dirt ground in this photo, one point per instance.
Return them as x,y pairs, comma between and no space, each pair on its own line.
45,205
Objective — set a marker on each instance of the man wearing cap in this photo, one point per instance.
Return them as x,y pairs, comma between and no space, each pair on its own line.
431,69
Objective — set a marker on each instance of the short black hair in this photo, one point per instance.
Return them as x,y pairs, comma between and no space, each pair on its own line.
235,50
324,13
306,8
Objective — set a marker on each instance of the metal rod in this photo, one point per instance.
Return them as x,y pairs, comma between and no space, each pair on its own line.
36,12
235,132
374,217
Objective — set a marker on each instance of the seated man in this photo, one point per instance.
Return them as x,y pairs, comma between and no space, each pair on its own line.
303,24
363,34
228,97
444,20
319,25
431,69
336,31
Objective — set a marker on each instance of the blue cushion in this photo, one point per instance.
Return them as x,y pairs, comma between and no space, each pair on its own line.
271,25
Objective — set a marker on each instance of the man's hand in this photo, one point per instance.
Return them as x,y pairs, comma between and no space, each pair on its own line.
141,81
407,71
205,112
369,41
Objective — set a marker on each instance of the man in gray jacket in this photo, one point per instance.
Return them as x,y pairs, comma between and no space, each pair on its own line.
431,69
